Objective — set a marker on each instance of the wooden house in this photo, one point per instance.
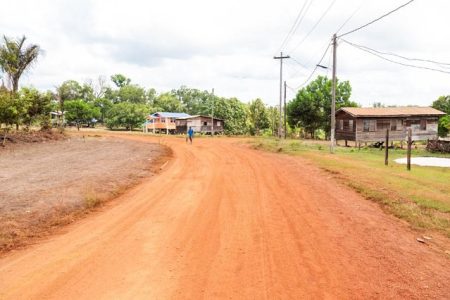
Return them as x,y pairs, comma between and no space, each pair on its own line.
200,124
369,124
163,122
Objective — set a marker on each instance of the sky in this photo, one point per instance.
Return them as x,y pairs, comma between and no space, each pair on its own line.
230,45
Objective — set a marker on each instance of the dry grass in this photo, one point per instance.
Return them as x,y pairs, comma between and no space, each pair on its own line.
25,217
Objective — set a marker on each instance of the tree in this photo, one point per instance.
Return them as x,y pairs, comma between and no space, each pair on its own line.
128,115
195,102
120,80
80,112
311,107
70,90
15,59
132,93
168,102
443,104
258,116
37,106
104,105
234,113
274,119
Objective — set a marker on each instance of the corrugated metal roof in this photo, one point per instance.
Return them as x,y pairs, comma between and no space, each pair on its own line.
391,111
196,116
170,115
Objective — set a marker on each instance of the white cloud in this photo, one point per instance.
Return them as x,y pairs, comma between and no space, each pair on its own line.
229,45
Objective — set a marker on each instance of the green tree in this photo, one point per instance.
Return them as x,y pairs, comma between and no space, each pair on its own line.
311,108
258,116
104,105
81,112
8,108
274,119
168,102
443,104
37,106
16,58
128,115
120,80
132,93
195,102
234,113
70,90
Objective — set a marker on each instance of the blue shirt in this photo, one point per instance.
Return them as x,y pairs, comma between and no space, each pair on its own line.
191,132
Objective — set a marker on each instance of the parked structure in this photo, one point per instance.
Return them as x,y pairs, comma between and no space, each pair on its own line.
200,124
370,124
163,122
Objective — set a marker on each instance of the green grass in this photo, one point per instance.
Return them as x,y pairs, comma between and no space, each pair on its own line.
420,196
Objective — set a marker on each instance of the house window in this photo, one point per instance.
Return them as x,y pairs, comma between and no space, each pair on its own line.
382,125
369,125
219,124
163,120
350,125
205,123
396,125
423,124
393,125
340,124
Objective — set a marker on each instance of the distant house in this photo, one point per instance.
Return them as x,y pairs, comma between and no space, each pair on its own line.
163,122
200,124
370,124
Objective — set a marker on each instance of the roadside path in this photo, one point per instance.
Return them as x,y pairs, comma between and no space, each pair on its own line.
223,221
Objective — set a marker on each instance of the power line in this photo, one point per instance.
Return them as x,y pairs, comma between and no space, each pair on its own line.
297,22
349,18
377,19
441,64
315,68
315,25
375,53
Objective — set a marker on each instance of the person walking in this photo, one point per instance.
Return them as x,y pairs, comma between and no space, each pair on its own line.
190,134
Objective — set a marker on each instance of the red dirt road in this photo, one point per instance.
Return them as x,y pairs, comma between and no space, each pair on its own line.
224,221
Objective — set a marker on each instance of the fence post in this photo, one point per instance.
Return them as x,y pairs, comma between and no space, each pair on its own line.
386,152
408,153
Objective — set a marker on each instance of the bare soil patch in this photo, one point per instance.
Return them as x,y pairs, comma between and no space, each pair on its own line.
52,183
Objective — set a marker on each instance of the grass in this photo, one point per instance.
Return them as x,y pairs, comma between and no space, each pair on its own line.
420,196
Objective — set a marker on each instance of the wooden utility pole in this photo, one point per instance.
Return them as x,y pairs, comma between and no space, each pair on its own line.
333,96
386,150
281,57
285,120
408,152
212,113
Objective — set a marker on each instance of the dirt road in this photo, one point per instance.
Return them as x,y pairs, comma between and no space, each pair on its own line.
225,221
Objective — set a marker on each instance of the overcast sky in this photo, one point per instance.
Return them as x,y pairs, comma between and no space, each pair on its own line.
229,45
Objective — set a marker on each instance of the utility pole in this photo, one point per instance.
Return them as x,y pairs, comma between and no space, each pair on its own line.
333,97
212,113
285,120
281,57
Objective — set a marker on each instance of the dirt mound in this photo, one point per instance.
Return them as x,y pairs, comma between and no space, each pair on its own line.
24,137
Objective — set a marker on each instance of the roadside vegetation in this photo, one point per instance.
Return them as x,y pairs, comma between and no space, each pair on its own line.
420,196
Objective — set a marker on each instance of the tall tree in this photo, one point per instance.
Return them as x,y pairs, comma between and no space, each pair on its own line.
311,108
443,104
120,80
258,116
16,58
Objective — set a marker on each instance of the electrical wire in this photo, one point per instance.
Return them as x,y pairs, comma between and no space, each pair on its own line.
377,19
315,68
441,64
314,27
375,53
349,18
297,22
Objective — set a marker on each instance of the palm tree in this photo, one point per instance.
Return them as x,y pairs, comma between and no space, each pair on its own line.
15,59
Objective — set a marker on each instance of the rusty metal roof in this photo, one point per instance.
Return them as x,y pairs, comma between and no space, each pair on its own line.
391,111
